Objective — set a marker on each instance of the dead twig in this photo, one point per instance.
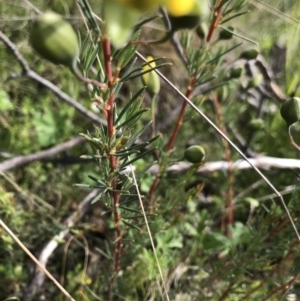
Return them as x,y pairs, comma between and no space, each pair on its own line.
26,159
29,73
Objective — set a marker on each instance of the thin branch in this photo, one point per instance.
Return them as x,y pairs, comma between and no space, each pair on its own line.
106,46
262,162
65,97
26,159
249,189
12,47
215,22
280,288
29,73
179,121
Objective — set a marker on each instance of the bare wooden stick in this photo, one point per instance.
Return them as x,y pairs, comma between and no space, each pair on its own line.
26,159
262,162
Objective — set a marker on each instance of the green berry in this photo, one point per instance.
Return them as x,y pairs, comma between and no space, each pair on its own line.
54,39
236,72
249,54
226,34
256,124
222,92
290,110
194,154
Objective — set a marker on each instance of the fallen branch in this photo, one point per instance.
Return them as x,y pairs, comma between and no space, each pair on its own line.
262,162
26,159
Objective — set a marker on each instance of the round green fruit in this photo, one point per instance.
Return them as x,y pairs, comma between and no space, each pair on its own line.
54,39
290,110
236,72
249,54
256,124
226,34
222,92
194,154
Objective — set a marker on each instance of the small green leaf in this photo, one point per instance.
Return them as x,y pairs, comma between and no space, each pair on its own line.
97,198
131,225
138,157
97,180
132,119
128,105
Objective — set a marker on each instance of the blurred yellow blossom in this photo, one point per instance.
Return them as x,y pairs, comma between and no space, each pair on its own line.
178,8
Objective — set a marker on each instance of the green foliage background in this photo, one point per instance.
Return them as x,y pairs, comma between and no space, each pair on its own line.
199,260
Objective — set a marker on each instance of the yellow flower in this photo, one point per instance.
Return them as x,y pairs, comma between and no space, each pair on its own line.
178,8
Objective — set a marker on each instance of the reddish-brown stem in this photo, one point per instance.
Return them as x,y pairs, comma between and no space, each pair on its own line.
283,287
110,101
230,192
288,266
215,22
152,191
276,229
77,73
171,143
181,114
112,159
